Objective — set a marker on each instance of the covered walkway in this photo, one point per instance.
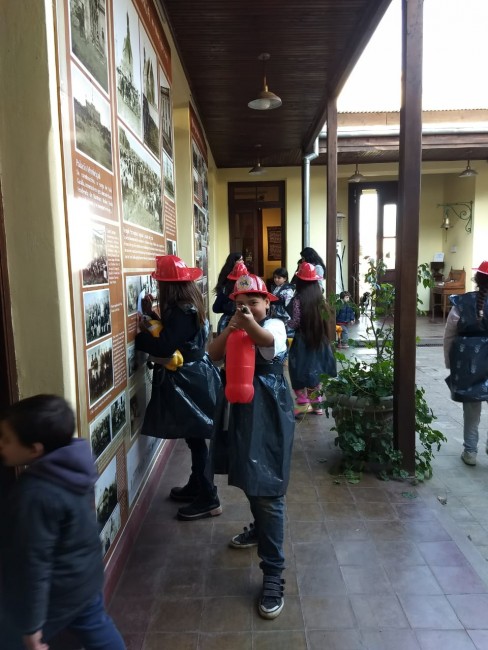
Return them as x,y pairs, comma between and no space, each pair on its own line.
375,566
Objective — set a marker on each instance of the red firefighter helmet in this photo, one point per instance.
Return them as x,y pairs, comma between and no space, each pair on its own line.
239,269
170,268
306,271
251,284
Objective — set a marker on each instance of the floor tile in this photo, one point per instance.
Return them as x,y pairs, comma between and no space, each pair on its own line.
235,640
413,580
327,613
378,611
179,641
471,609
389,640
176,615
226,615
432,612
445,639
284,640
459,580
366,580
334,640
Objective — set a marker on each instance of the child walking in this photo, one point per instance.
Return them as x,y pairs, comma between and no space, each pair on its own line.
466,354
51,553
222,290
310,354
284,292
183,399
345,316
260,435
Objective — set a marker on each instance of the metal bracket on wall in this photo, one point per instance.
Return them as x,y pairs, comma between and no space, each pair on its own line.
462,210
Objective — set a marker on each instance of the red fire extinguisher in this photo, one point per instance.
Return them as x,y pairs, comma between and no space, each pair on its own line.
240,359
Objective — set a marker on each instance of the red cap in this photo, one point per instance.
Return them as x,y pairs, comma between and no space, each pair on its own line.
251,284
483,268
306,271
239,269
170,268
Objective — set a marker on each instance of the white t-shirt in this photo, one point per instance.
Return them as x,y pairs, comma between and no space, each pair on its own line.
277,329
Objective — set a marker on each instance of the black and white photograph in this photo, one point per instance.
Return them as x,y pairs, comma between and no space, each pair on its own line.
168,172
110,529
139,459
137,407
140,177
118,414
99,361
106,493
133,285
133,360
88,24
96,307
128,65
165,108
200,218
170,247
93,135
150,109
96,270
100,437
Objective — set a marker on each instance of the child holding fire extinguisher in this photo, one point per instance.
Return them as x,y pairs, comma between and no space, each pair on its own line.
184,393
260,433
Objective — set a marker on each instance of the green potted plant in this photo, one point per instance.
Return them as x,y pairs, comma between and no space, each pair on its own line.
360,398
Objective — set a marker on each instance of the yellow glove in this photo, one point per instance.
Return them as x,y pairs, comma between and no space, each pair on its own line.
176,361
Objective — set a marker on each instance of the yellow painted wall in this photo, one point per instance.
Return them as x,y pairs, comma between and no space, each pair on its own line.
31,177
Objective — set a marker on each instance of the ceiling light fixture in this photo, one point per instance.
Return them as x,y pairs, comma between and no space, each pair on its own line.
468,172
357,177
266,100
257,169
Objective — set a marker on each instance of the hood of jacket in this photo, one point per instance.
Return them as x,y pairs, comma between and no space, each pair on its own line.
71,466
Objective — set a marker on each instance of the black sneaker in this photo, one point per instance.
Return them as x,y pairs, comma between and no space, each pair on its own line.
272,600
188,492
201,507
246,539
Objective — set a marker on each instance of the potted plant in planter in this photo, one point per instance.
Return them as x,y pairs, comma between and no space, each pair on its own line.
360,398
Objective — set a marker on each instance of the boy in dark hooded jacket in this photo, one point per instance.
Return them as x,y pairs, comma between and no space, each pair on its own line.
51,555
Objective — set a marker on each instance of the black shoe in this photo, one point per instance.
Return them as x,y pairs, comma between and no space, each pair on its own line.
188,492
272,600
203,506
246,539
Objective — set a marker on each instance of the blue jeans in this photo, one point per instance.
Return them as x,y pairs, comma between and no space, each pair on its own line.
345,333
92,627
269,521
471,415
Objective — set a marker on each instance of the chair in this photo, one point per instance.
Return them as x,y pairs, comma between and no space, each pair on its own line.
454,284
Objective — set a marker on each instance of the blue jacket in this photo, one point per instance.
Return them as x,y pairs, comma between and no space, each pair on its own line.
50,547
345,314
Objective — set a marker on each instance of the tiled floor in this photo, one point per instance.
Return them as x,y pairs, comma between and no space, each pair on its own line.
372,566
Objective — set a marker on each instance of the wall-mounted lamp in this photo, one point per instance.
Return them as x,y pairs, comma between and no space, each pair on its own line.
463,211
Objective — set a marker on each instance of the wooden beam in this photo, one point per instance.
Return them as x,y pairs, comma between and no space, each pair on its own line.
408,231
330,260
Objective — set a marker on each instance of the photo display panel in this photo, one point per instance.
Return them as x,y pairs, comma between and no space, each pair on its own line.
199,165
117,135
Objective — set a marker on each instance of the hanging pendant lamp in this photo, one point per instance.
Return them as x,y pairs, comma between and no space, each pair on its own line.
468,172
257,169
266,100
357,177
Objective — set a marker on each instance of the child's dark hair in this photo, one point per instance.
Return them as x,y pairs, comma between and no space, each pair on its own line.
481,280
47,419
281,272
343,294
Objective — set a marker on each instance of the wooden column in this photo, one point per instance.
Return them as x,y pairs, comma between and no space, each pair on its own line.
408,230
330,261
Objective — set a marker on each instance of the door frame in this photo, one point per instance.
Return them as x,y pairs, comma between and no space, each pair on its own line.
9,392
234,205
387,193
